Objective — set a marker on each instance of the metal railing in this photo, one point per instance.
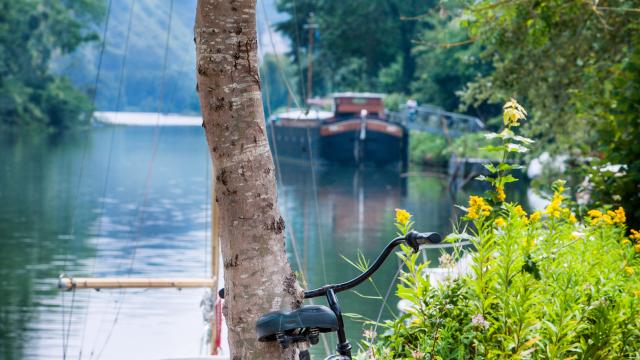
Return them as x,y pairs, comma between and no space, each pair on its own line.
432,119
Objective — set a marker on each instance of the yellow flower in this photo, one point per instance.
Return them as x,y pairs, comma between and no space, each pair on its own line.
520,211
594,213
402,216
554,209
512,112
596,216
625,241
535,216
477,208
500,222
619,216
608,218
500,195
572,218
628,270
635,234
636,248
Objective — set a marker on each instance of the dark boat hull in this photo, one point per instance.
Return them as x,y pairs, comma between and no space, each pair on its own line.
380,143
295,144
383,144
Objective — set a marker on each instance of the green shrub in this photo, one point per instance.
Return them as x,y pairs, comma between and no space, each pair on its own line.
425,147
540,286
470,146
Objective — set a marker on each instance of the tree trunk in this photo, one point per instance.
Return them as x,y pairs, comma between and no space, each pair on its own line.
257,275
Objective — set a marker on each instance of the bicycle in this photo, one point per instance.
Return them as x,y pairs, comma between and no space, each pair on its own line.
304,325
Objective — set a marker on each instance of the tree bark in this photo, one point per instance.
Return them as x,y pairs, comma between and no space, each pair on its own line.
257,275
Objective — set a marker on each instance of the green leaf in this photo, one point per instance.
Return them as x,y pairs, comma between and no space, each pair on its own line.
487,179
512,147
508,179
506,134
504,166
490,167
492,148
453,237
524,140
367,296
353,315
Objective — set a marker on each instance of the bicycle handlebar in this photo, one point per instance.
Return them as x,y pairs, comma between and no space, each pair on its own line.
412,238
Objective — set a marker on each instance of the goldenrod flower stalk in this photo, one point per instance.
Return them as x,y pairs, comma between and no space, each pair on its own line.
520,211
595,215
535,216
478,208
620,216
554,209
608,218
500,195
402,217
403,221
512,112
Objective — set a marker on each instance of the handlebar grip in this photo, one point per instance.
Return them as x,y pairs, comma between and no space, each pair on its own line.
415,239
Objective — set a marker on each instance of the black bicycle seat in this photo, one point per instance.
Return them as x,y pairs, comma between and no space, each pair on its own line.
314,318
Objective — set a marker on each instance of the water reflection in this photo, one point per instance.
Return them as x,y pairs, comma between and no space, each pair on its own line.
352,210
54,220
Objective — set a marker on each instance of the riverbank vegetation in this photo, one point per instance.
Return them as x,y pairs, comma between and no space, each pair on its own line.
32,33
551,284
435,150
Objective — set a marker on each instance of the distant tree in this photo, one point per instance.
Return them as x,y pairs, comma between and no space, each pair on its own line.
357,42
31,32
576,64
447,61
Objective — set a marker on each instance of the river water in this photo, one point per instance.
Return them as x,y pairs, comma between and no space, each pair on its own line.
65,208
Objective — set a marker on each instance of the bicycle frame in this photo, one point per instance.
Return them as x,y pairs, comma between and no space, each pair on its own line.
412,238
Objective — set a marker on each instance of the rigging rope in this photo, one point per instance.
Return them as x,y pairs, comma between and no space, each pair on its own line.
303,89
121,78
66,332
312,163
141,209
279,177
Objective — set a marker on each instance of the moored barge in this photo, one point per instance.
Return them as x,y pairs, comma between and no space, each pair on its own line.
356,133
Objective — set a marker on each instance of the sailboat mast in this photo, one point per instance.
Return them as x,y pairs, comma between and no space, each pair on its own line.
311,26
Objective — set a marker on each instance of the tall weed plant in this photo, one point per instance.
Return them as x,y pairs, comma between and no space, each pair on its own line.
544,285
